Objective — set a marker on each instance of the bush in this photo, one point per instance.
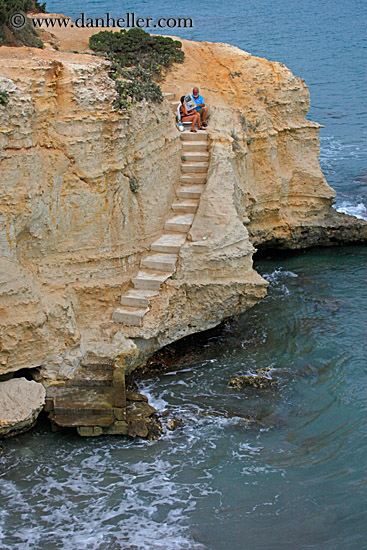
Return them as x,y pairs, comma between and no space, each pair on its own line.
136,58
133,91
4,98
27,36
138,48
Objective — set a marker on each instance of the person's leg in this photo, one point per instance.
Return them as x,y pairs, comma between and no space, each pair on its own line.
198,121
194,120
204,112
190,118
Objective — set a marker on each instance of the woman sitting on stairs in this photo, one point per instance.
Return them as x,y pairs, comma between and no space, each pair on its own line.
190,116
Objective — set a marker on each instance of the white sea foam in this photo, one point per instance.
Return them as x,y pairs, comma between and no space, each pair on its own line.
154,400
141,506
278,275
358,210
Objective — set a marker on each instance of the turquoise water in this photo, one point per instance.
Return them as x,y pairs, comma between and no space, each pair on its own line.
293,477
276,469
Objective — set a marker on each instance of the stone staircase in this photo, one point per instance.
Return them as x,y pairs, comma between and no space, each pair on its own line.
159,264
94,401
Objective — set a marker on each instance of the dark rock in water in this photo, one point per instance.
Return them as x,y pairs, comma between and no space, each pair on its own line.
135,396
256,380
142,420
332,229
174,424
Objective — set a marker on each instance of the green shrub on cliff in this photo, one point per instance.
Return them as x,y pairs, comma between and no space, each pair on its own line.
137,57
136,86
26,36
138,48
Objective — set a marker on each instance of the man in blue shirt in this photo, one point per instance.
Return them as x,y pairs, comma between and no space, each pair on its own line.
199,100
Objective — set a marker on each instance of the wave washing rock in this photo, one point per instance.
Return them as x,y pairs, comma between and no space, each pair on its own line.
72,232
21,401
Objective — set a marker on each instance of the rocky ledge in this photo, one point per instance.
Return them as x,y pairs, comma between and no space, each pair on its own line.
74,230
21,401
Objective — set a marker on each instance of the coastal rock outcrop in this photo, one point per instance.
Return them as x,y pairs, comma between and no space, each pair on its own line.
73,228
21,401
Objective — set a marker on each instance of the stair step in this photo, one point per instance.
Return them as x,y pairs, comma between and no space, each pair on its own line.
201,135
187,123
98,363
71,400
86,378
170,96
74,420
169,243
188,205
190,191
181,224
194,167
194,146
160,262
196,156
174,105
149,279
193,178
138,298
130,316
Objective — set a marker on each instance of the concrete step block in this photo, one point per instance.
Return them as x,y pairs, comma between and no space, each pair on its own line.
160,262
193,178
180,224
138,298
149,279
190,191
169,243
71,400
129,316
74,420
174,105
194,167
91,378
200,135
194,146
170,96
185,205
196,156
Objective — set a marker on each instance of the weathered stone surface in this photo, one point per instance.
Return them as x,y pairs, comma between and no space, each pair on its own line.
72,233
141,420
257,380
174,424
135,396
21,401
120,427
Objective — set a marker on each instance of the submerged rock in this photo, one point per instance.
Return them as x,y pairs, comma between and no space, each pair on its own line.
135,396
142,420
21,401
174,424
256,380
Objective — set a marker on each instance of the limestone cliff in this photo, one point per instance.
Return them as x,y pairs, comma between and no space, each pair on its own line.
72,231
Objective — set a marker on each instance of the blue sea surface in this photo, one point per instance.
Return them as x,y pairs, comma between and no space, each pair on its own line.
283,468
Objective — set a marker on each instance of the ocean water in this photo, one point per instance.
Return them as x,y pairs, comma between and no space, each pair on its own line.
281,468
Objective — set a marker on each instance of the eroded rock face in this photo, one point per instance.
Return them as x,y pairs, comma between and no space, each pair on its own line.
72,232
21,401
264,152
